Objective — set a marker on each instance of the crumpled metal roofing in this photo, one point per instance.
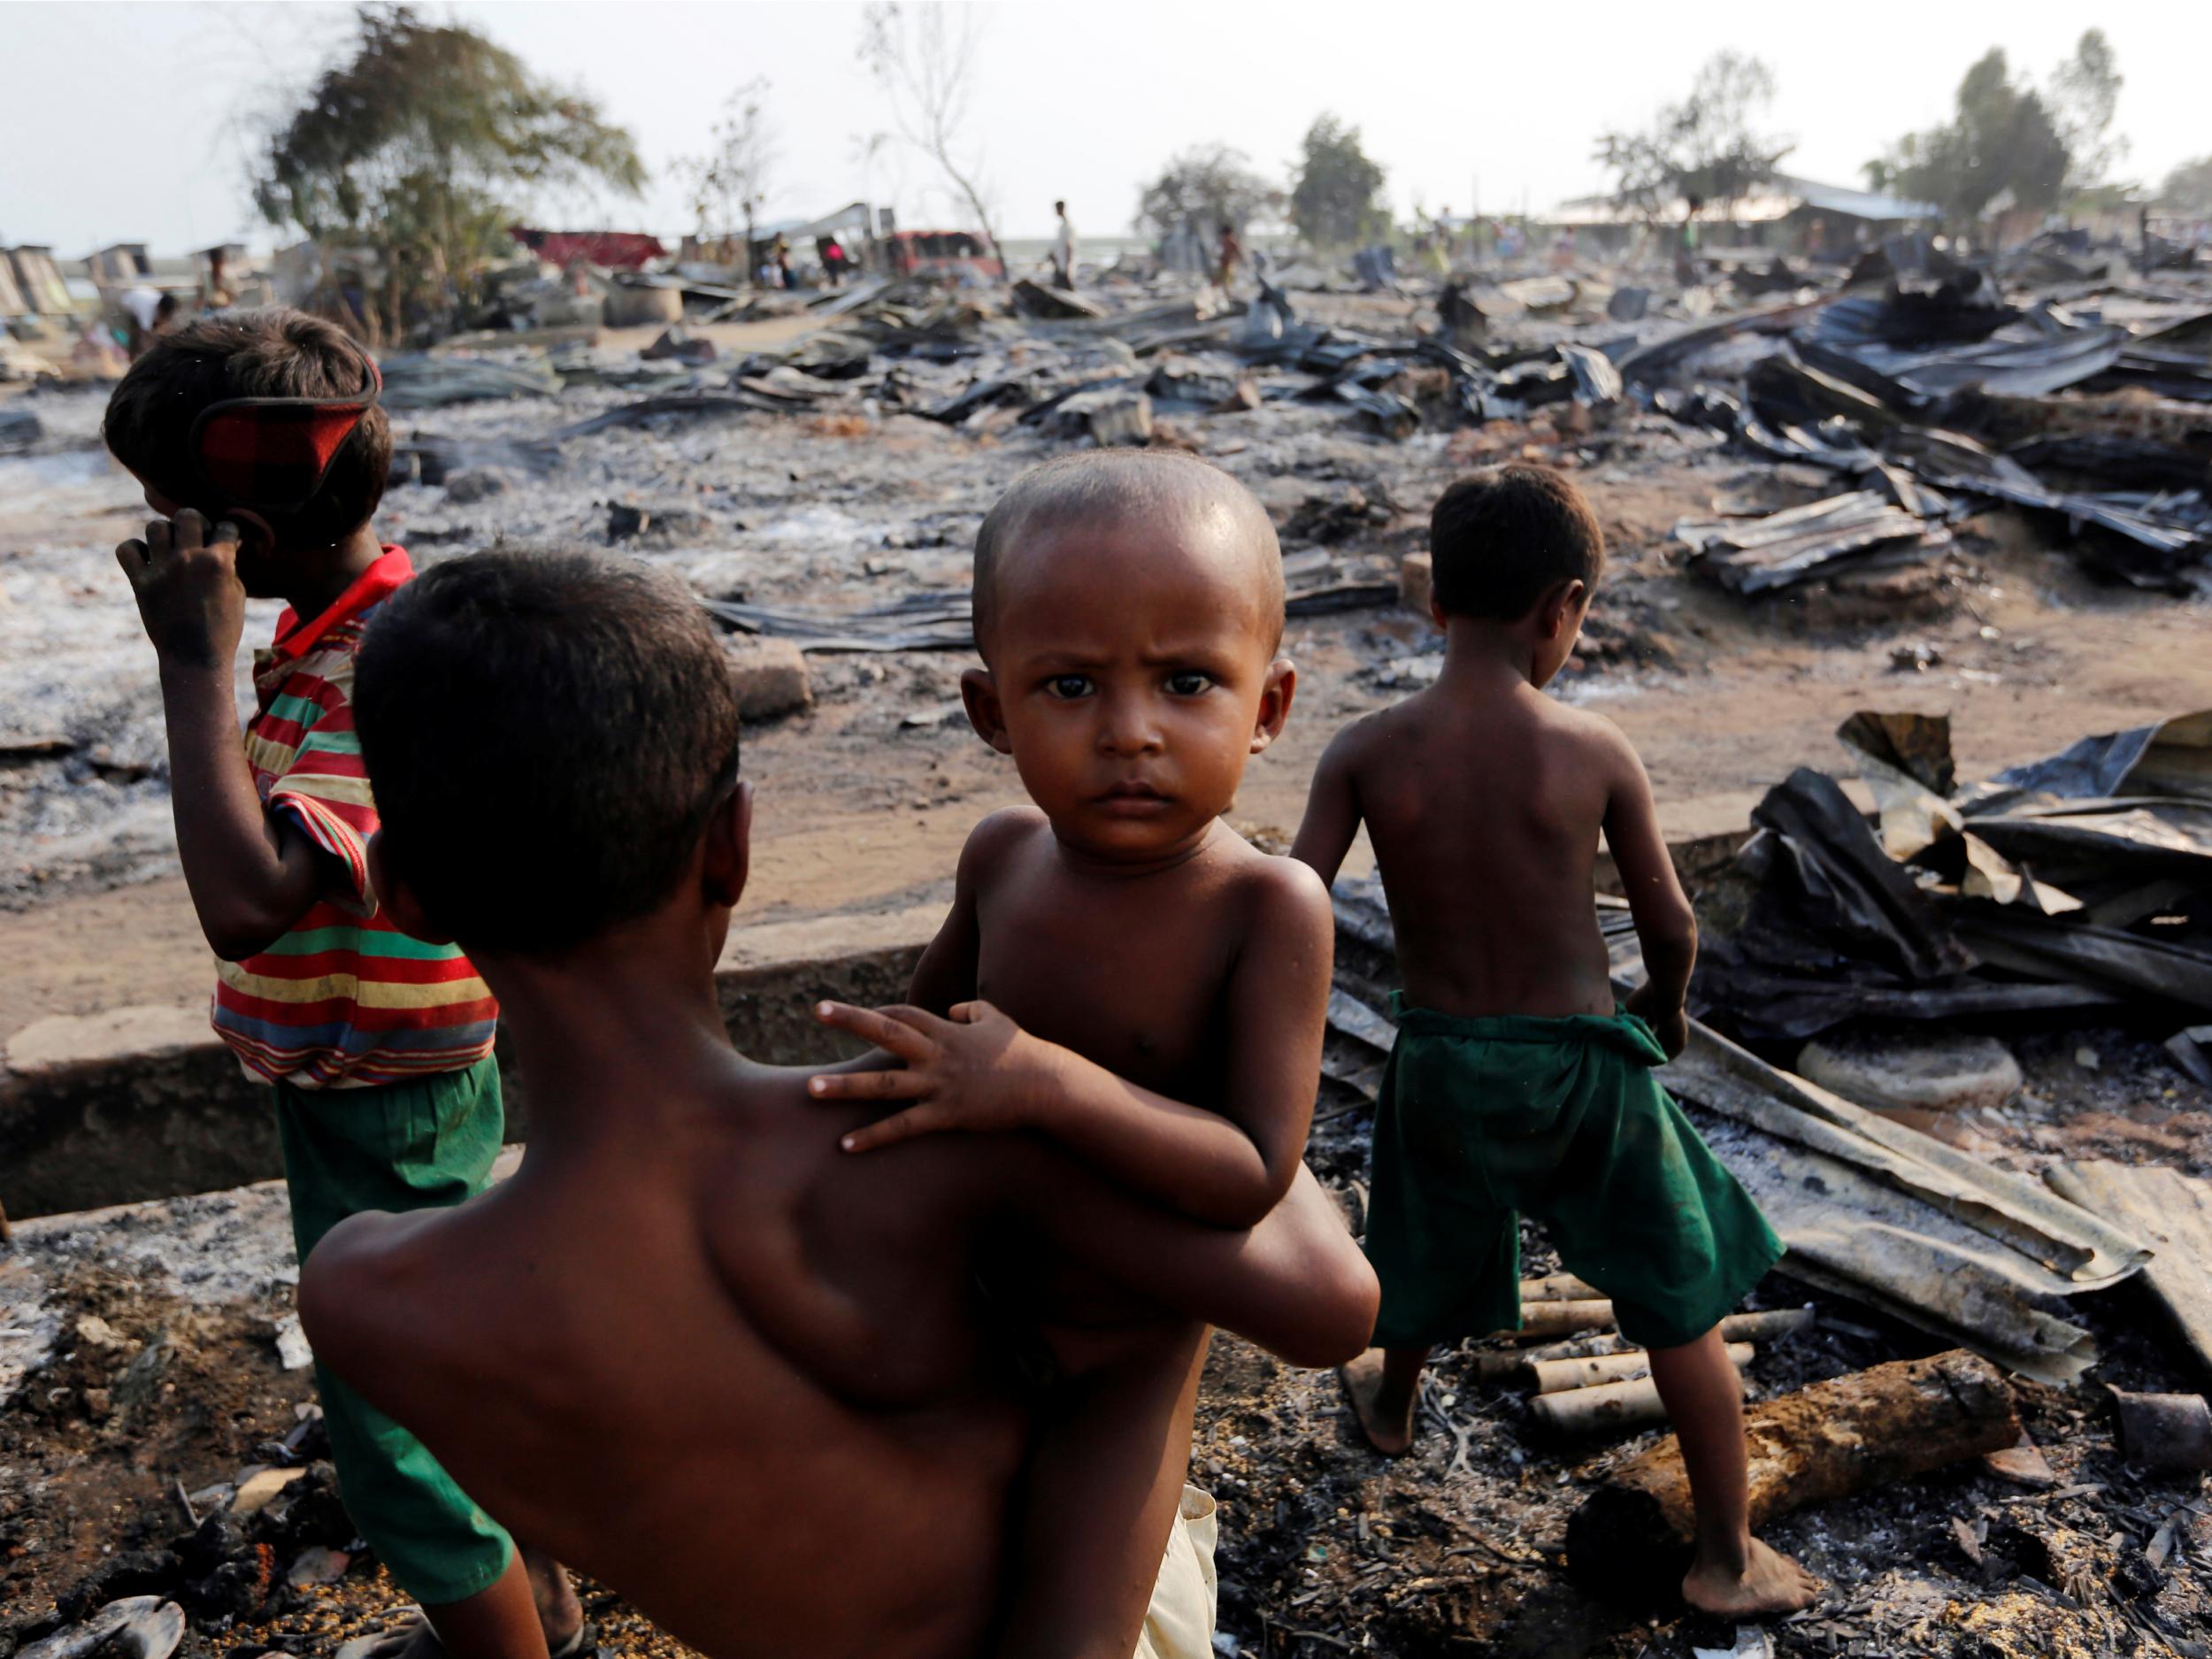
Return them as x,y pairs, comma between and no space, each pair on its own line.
1886,1216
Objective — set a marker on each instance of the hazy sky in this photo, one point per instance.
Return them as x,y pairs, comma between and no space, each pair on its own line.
135,122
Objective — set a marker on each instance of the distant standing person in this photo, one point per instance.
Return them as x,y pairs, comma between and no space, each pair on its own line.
1063,249
1232,256
779,252
151,313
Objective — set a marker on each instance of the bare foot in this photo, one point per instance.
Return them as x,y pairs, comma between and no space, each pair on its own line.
1766,1583
410,1637
1363,1380
559,1612
560,1615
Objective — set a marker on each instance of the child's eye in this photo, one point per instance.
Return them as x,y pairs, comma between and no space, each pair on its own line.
1067,687
1189,683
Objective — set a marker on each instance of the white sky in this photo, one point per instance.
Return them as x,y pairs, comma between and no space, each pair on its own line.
136,121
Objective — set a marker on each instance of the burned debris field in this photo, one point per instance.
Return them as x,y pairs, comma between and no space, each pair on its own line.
1905,609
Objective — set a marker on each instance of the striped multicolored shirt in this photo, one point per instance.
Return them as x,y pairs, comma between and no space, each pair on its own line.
344,1000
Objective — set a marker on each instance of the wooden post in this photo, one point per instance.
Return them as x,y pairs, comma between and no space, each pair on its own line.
1830,1441
1603,1406
1559,1288
1558,1376
1557,1319
1737,1327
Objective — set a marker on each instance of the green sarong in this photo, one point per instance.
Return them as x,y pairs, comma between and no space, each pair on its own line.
1484,1120
397,1147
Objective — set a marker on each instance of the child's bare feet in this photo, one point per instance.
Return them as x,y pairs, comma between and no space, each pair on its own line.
1763,1582
1388,1431
559,1612
412,1638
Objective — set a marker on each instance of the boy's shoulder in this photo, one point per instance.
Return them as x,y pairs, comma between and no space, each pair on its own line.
1356,739
1271,888
1009,828
367,1281
995,840
1599,739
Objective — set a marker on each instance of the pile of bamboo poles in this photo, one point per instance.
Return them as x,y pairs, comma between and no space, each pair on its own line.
1587,1378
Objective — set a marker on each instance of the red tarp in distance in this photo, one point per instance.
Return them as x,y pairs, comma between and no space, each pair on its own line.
616,249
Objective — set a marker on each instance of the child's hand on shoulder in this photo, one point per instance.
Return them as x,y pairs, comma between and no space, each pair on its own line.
977,1071
185,576
1672,1025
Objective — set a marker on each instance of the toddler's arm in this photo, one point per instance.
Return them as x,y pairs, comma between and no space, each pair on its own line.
251,873
1666,927
945,976
979,1071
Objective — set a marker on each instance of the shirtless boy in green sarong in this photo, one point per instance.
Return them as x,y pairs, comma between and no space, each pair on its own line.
1516,1085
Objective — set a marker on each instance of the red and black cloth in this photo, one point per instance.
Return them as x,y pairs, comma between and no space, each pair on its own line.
273,453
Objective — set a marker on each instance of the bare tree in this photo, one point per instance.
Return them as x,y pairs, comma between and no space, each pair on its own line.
2083,95
730,182
1704,149
924,60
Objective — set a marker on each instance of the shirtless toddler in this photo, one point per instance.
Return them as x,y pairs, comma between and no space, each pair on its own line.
1516,1085
1121,972
722,1367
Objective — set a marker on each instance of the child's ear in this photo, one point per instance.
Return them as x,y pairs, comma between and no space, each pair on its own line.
728,858
1562,615
397,900
980,692
1275,697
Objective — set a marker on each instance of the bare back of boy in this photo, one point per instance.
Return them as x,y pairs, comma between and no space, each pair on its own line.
1486,812
764,1357
745,1378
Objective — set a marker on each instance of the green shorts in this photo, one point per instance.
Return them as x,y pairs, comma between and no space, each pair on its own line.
1483,1120
400,1146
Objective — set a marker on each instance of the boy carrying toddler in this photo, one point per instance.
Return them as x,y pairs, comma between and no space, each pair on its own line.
731,1371
1516,1085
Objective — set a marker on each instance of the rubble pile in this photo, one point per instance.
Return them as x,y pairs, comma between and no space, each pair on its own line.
1926,388
2072,884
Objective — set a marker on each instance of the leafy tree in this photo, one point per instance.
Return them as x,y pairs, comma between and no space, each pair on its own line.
730,182
925,61
1334,201
2084,93
2188,188
1206,188
2000,140
422,146
1704,148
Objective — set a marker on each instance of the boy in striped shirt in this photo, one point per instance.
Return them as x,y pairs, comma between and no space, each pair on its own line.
376,1046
